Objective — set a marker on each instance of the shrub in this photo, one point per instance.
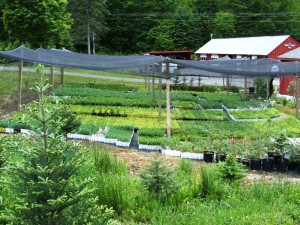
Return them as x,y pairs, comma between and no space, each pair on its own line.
260,87
159,180
230,170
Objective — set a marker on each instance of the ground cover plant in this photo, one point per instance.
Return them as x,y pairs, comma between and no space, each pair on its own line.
198,115
268,113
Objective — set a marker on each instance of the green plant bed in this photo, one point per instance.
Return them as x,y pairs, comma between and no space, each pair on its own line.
241,104
198,115
210,104
106,101
185,104
87,129
222,96
152,140
122,133
117,111
151,132
128,121
256,114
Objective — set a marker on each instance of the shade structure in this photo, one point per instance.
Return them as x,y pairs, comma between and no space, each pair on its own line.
140,63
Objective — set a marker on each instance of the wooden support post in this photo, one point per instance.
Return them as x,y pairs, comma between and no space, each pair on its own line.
168,100
268,92
52,77
227,83
20,85
153,85
62,76
146,77
160,99
297,96
246,85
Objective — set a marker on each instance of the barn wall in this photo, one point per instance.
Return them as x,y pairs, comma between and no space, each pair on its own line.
284,84
282,48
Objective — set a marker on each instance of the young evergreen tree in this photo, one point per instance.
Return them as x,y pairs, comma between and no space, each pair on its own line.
159,180
44,177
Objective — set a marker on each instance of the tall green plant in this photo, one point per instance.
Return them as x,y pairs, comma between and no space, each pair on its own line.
43,178
231,170
111,183
159,180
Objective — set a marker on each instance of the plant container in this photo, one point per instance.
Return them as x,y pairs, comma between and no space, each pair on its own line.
268,164
255,164
221,157
277,158
246,162
208,156
297,167
283,165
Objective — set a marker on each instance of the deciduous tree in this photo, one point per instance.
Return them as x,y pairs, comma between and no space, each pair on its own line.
38,22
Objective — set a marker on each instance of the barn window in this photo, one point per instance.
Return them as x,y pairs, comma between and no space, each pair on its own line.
214,57
203,57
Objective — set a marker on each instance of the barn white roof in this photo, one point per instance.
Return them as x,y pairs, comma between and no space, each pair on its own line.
242,46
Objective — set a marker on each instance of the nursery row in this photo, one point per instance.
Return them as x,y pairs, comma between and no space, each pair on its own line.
186,135
267,113
185,100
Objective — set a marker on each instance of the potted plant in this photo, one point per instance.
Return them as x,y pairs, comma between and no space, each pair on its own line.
256,153
279,146
208,154
295,157
221,147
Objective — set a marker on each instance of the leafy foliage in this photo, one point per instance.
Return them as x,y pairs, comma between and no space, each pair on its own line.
44,23
89,21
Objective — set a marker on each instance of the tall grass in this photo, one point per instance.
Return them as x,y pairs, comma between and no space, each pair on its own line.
241,209
113,186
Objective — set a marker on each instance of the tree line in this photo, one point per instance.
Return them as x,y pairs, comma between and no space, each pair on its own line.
134,26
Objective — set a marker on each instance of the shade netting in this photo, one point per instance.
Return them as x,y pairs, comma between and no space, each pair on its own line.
150,65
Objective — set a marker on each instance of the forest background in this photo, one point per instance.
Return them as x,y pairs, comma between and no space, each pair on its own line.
134,26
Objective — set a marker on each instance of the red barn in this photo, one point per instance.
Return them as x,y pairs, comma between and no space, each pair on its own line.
249,47
293,55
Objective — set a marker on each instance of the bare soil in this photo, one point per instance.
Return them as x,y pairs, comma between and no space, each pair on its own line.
136,161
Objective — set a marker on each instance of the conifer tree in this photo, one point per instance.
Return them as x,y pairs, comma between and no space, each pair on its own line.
44,177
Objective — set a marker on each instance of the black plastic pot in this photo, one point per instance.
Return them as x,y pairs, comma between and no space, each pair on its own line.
298,167
221,157
277,158
246,162
292,165
17,130
208,156
255,164
268,164
283,165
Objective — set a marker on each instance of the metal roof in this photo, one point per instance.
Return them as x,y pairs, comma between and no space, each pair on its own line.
242,46
294,54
